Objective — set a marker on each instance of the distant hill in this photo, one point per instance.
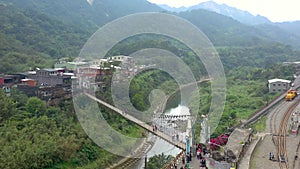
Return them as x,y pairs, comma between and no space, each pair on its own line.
173,9
35,32
223,9
224,31
282,32
292,27
60,28
80,12
237,14
259,28
81,19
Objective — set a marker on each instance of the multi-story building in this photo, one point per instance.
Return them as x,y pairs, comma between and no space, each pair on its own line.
278,85
50,77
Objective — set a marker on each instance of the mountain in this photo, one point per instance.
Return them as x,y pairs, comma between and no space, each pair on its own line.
223,9
60,28
259,28
84,14
62,25
35,32
224,31
282,32
240,15
292,27
173,9
79,19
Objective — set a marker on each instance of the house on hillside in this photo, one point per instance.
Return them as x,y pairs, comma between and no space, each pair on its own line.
8,81
278,85
50,77
70,66
28,86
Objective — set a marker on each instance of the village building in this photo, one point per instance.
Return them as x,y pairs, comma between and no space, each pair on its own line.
50,77
8,81
70,66
278,85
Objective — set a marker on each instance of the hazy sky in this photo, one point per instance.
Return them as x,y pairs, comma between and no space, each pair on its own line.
275,10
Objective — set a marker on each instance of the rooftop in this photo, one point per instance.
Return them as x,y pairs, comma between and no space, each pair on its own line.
236,140
279,80
50,70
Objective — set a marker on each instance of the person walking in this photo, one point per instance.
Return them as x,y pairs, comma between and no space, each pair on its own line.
183,160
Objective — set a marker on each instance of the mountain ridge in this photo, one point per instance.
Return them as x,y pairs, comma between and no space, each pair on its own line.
63,31
237,14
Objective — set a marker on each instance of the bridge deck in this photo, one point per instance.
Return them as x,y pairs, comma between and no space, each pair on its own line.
140,123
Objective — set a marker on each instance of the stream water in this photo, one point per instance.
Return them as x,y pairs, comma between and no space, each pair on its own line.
169,126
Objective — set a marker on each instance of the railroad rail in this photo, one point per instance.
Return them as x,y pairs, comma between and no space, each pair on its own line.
263,110
273,123
282,134
128,162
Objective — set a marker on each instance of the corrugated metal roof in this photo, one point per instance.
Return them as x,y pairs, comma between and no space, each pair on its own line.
279,80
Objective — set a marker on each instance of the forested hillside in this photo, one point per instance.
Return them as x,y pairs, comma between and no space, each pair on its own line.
33,39
43,32
80,13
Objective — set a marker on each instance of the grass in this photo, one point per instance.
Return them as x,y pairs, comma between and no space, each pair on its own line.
261,125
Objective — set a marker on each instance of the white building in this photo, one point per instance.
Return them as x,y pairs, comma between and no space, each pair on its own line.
278,85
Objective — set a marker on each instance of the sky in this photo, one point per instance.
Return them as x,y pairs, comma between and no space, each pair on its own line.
274,10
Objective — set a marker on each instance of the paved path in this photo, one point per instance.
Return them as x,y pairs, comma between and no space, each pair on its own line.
245,162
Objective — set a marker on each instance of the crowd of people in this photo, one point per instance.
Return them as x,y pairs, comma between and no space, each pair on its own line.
201,154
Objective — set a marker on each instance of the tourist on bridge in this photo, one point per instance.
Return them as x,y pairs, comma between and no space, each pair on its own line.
175,165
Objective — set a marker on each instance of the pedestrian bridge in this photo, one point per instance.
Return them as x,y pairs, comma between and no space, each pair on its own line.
147,127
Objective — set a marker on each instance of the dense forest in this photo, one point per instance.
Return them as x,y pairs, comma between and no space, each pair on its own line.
39,134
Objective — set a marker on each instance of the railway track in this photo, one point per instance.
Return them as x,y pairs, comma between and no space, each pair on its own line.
126,164
282,135
274,117
273,121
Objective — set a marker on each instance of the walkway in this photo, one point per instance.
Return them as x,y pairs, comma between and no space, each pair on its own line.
149,128
245,162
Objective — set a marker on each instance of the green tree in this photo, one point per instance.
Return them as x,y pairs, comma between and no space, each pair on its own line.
159,161
36,107
7,107
19,97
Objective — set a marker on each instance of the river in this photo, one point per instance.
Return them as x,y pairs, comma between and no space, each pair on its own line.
169,125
